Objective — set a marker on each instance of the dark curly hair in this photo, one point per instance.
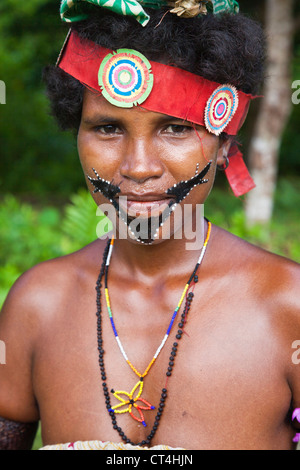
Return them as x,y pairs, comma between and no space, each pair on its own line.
223,48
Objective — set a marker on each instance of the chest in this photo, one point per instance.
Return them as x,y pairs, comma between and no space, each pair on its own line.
222,379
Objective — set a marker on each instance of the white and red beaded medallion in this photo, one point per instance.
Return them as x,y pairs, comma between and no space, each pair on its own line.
125,78
220,108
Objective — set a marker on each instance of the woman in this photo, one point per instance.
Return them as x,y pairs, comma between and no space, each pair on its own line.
191,344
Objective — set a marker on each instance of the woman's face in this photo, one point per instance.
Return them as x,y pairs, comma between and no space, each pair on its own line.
144,153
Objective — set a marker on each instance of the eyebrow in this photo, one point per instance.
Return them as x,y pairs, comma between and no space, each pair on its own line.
100,118
92,120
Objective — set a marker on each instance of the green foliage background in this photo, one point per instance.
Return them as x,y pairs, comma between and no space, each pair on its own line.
35,159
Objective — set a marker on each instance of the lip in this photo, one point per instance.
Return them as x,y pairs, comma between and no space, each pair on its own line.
147,204
146,197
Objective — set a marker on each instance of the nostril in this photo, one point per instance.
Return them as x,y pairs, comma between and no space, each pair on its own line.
141,169
140,176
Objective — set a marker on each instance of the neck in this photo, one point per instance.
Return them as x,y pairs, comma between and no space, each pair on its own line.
174,256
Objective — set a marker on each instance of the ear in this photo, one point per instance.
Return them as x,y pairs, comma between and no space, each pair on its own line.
225,144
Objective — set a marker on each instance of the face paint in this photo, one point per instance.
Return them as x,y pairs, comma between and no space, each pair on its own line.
181,190
109,190
145,229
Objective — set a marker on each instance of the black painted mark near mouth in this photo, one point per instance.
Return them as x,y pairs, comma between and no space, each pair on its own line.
146,229
181,190
107,188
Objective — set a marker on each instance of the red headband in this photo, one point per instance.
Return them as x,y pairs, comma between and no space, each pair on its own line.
127,78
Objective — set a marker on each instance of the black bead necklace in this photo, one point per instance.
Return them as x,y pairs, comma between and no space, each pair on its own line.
180,331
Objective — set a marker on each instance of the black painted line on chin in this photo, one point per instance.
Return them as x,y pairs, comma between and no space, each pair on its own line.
179,190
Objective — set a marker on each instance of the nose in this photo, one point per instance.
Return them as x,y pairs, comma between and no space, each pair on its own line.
141,161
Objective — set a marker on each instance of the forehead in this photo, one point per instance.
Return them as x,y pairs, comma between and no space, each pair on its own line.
96,108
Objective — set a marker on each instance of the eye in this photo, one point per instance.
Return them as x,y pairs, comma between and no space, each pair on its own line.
108,129
178,129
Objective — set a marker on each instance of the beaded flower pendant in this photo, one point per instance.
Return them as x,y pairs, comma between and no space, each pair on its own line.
131,402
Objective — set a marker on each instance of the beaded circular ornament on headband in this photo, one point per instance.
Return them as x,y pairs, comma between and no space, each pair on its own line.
125,78
220,108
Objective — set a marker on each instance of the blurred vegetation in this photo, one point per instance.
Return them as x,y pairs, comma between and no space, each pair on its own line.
35,159
31,234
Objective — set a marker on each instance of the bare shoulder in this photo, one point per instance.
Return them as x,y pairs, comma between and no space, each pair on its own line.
41,296
272,280
262,265
49,282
